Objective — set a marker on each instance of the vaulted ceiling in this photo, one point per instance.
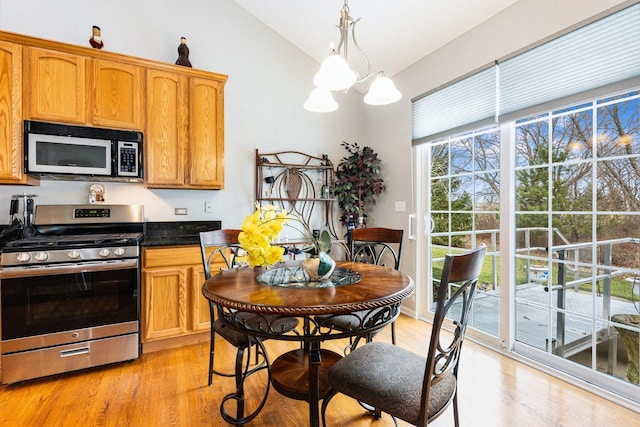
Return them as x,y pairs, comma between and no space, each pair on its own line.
393,34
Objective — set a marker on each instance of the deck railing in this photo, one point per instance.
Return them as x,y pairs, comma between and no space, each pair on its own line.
571,273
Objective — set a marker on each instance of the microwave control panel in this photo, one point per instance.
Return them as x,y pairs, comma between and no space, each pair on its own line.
127,158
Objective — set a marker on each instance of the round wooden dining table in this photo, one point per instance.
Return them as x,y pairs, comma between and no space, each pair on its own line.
369,295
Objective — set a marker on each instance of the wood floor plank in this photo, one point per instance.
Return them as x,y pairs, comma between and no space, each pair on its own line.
169,388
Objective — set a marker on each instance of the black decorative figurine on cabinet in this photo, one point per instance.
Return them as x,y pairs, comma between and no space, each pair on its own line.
183,53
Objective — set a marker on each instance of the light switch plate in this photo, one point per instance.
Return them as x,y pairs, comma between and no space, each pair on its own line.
400,206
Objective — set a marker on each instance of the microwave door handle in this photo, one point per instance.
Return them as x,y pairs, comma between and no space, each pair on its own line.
114,158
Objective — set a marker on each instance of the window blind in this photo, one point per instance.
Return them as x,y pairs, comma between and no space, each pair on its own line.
466,104
597,59
592,60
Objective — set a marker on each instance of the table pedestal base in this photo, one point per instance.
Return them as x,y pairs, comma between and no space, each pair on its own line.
290,373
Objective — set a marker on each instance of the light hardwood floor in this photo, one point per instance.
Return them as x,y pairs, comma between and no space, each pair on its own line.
169,388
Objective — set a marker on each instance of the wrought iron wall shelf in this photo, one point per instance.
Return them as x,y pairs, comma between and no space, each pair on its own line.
300,183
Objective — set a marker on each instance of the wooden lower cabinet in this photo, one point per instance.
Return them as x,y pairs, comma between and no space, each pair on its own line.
173,308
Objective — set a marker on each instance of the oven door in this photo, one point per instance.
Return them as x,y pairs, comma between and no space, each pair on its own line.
46,306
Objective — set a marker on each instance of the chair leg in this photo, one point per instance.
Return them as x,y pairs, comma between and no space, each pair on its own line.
211,343
325,402
393,333
242,371
240,381
238,394
455,410
211,352
377,414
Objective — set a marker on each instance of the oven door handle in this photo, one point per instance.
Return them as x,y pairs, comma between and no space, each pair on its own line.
52,270
75,351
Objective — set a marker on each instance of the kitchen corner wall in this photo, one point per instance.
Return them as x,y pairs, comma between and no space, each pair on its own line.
269,79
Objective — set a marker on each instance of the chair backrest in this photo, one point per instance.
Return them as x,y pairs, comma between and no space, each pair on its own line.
377,245
444,347
225,243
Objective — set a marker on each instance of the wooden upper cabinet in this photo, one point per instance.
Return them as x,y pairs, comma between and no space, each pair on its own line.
180,110
184,131
11,139
70,88
166,130
206,154
116,95
10,112
56,86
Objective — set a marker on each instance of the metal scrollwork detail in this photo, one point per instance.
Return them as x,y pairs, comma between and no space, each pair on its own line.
318,327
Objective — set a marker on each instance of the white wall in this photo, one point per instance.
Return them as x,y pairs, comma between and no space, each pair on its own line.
269,79
388,131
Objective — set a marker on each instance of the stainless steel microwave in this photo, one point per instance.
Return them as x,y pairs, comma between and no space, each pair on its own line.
56,151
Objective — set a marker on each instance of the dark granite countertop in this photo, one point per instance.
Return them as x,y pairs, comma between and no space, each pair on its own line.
180,233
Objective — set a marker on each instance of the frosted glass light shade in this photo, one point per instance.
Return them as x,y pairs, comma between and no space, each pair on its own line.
382,92
334,74
320,101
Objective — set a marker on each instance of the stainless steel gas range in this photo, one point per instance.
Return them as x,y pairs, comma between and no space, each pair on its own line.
70,291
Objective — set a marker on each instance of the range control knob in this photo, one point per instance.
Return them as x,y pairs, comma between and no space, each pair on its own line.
41,256
104,252
23,257
118,251
73,254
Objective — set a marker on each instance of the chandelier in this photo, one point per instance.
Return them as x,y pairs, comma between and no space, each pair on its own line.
335,73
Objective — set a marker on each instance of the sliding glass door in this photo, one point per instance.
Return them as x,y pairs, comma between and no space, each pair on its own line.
570,227
463,206
577,257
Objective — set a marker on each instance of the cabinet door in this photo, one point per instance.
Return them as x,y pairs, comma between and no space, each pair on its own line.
164,302
166,130
200,314
206,133
11,159
117,95
56,86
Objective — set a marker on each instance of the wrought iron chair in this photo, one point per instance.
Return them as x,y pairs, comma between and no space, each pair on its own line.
223,244
375,245
404,384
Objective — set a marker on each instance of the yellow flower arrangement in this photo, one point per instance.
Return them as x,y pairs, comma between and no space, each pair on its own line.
258,231
262,227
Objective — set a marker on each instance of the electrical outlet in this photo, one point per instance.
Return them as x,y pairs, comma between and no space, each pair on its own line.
180,211
400,206
208,206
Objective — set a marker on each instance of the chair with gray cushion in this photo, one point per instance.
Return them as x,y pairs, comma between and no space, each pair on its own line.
374,245
406,385
223,245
